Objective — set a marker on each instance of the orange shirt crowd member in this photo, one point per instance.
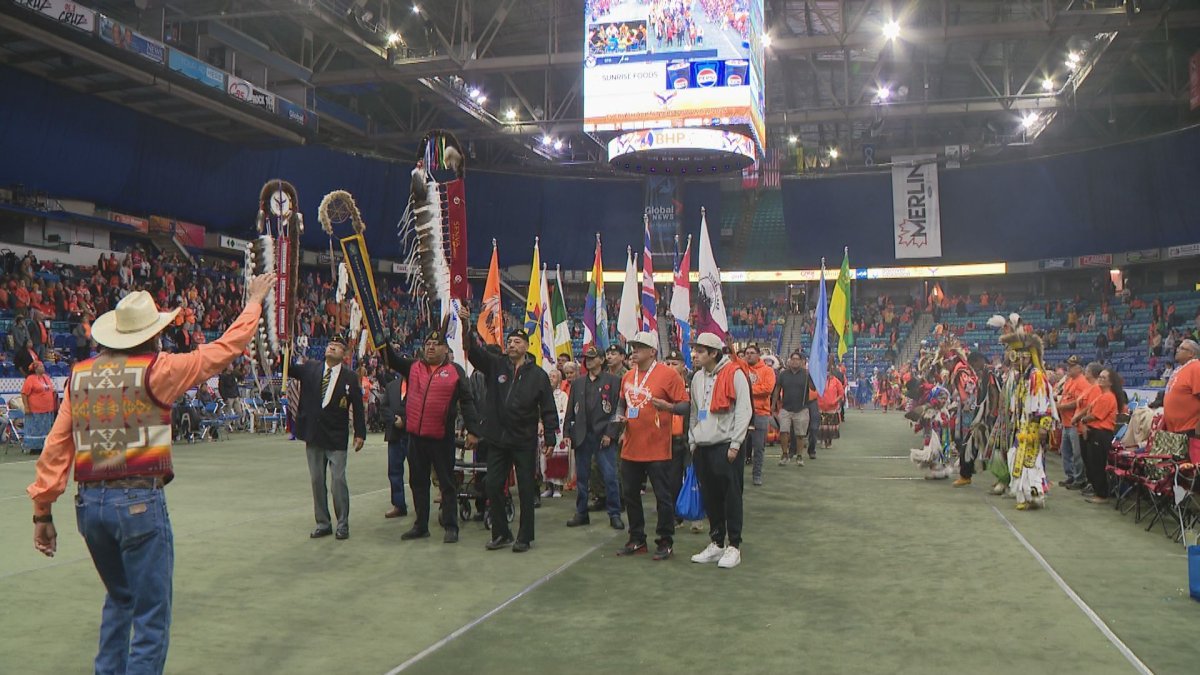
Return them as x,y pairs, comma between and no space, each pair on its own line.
1181,404
1100,421
651,392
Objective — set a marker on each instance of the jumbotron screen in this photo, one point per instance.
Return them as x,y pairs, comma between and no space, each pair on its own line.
650,64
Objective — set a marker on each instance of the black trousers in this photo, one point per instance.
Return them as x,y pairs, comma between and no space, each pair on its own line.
632,475
501,461
814,422
679,458
1095,459
721,483
481,457
966,468
436,454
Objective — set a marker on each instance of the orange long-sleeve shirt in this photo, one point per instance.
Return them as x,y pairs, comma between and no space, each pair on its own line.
762,383
171,376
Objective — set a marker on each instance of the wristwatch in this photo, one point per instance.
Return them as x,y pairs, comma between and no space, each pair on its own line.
43,519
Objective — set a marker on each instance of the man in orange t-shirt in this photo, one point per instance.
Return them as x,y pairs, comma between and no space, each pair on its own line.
762,383
650,394
1071,449
1090,391
1181,404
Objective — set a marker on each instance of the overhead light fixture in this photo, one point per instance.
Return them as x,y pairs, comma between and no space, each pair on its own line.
891,29
393,39
1074,57
416,9
884,93
473,93
510,114
766,40
546,140
792,140
558,144
1047,84
1029,120
481,99
833,153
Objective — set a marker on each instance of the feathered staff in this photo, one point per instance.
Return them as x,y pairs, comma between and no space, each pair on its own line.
354,270
276,249
433,233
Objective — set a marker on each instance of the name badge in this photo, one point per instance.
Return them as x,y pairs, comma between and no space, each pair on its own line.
632,413
701,415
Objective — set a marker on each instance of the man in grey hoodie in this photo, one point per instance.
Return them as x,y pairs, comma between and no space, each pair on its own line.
720,415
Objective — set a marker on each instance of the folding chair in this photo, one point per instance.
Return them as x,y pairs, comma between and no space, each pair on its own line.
10,431
210,420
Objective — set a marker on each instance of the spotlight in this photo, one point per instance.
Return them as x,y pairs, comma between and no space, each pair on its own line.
884,93
792,140
416,9
473,93
833,153
1074,57
766,40
546,140
393,39
482,99
1047,84
510,114
558,145
1029,120
891,29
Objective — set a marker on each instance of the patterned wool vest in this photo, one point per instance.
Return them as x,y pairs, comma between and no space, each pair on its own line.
120,430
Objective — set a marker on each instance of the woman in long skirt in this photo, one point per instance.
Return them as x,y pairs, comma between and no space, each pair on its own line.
41,402
830,405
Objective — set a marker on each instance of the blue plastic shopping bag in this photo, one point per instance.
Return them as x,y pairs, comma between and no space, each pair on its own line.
689,506
1193,569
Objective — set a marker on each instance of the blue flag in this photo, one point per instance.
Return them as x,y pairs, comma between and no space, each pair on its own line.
818,355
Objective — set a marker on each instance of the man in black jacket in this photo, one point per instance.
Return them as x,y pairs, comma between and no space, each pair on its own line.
437,390
328,392
518,395
589,424
392,405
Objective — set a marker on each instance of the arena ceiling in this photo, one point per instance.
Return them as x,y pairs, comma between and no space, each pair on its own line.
993,75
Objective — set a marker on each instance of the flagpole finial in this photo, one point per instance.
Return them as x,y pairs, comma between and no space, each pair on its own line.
493,242
701,210
846,250
629,249
535,240
646,218
597,237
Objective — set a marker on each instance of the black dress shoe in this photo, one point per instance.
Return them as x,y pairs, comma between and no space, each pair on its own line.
498,543
578,520
320,532
342,535
414,534
520,547
451,537
616,523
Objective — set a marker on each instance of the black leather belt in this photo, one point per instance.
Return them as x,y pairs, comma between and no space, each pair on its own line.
133,482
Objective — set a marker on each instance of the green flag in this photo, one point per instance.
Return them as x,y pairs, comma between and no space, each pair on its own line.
839,308
558,318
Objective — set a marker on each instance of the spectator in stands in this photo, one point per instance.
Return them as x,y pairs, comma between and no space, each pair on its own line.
229,387
25,356
41,402
20,333
1101,346
83,337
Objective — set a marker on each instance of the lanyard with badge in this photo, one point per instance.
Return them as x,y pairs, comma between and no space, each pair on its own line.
633,409
709,384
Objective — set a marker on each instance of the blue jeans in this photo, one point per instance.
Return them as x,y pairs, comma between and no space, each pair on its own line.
129,536
606,458
1072,455
397,453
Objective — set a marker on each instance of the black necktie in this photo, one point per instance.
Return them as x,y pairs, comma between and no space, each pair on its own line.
325,383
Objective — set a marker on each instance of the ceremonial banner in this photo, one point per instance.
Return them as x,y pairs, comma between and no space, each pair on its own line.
916,215
711,316
456,222
358,264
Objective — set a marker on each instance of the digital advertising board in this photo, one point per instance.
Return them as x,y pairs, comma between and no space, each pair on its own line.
652,64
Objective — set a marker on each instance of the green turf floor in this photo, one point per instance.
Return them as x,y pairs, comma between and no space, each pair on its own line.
844,571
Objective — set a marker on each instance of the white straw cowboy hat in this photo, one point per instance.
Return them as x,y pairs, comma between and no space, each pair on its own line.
135,320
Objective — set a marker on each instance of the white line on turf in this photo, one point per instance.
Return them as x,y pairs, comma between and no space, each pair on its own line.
499,608
1083,606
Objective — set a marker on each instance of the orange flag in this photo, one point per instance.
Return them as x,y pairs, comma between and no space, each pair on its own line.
491,316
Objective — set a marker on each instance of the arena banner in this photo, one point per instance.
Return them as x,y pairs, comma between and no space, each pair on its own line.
664,206
67,13
358,264
124,37
189,234
1101,260
193,68
1056,263
290,111
916,212
1183,251
159,224
1144,255
246,91
140,224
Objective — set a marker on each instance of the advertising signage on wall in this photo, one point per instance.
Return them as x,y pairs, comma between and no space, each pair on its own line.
1055,264
1144,255
120,35
246,91
291,111
1103,260
666,63
1183,251
67,13
192,67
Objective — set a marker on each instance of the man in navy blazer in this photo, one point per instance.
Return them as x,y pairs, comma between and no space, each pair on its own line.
329,391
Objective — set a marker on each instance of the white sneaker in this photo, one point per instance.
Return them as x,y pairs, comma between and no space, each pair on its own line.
548,492
799,462
731,558
711,554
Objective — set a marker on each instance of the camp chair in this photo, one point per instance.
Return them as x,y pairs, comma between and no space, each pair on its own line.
210,420
10,430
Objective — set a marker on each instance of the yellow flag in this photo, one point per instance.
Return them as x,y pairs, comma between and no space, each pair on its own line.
533,308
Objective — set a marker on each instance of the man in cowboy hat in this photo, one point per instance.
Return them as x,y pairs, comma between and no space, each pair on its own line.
328,392
115,429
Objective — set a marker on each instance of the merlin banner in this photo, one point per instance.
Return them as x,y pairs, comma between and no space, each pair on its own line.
358,263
